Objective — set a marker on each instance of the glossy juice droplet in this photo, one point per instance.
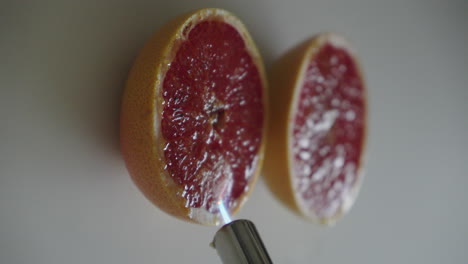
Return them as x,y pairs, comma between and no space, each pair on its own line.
212,105
328,131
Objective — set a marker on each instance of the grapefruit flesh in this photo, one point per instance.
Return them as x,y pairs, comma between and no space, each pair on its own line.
212,116
328,131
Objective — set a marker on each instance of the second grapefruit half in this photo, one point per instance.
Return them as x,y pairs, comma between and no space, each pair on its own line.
317,131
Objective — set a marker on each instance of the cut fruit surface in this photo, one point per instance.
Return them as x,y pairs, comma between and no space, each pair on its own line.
315,146
193,116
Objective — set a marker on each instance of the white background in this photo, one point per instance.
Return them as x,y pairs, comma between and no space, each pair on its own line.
65,195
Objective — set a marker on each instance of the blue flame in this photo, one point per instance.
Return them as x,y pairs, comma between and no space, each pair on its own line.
224,212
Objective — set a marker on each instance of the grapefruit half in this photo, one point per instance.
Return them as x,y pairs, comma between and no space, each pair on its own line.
318,126
193,116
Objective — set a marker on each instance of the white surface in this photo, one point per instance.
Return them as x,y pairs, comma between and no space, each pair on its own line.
65,196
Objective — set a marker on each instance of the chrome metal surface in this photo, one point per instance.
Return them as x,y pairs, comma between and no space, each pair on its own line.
239,242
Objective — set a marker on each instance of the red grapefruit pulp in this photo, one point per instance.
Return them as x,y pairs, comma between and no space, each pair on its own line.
212,115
